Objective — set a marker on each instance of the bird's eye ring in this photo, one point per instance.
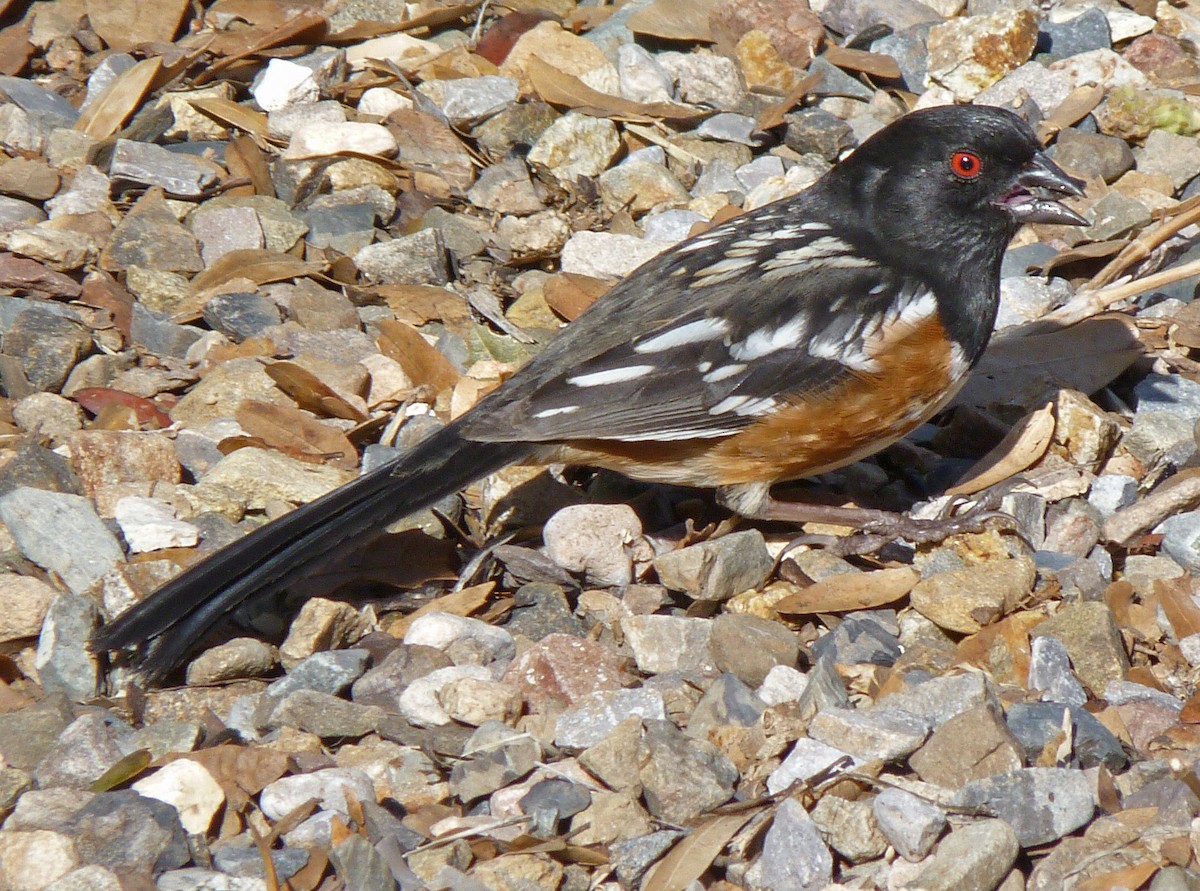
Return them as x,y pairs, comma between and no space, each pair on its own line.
966,165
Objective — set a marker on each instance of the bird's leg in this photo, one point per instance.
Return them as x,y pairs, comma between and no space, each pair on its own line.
877,527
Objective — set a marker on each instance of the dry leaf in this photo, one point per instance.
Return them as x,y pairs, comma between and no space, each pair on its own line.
97,399
123,771
874,64
312,393
244,159
689,859
458,603
1019,450
232,114
1130,877
773,115
123,24
1074,108
850,591
291,430
119,100
1026,369
256,264
559,88
309,26
15,48
672,20
418,304
420,360
240,771
1175,598
569,293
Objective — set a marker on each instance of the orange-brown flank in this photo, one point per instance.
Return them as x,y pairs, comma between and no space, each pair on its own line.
812,432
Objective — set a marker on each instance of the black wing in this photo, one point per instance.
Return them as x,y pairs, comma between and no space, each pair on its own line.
764,305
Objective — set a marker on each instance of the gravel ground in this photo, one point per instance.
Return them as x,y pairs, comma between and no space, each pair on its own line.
247,249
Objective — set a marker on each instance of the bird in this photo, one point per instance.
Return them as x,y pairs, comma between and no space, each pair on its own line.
794,339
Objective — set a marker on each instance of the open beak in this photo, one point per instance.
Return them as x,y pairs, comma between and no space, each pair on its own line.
1027,207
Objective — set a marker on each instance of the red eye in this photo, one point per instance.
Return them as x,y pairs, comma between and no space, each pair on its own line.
966,164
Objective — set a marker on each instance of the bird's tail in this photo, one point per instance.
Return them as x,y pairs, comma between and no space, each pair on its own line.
174,618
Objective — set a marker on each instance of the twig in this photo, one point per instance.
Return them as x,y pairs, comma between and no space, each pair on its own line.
1091,302
1141,247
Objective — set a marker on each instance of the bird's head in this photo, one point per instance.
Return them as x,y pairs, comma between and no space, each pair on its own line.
959,176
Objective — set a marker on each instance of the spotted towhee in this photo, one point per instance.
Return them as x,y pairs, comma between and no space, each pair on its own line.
794,339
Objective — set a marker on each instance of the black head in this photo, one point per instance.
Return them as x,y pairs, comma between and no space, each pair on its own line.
962,178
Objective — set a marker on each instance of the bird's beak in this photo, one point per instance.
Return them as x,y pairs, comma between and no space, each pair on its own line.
1027,207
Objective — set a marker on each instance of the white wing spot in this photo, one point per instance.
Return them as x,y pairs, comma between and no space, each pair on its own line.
551,412
755,407
693,332
725,371
846,352
729,403
610,376
764,341
815,227
721,271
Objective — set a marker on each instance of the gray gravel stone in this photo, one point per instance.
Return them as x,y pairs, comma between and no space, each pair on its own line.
65,662
794,858
62,534
682,778
241,315
1041,804
1050,672
1034,724
717,569
911,824
597,714
880,733
417,259
974,858
330,671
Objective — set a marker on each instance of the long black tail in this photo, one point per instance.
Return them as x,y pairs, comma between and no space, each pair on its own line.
174,618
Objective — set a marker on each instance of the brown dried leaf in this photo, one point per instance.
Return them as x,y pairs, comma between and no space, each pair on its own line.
245,160
672,20
458,603
1175,598
123,24
15,48
694,853
1130,877
418,304
874,64
773,115
421,361
119,100
1019,450
1074,108
228,112
569,293
851,591
309,26
291,430
97,399
559,88
1027,368
1190,714
311,392
239,770
256,264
